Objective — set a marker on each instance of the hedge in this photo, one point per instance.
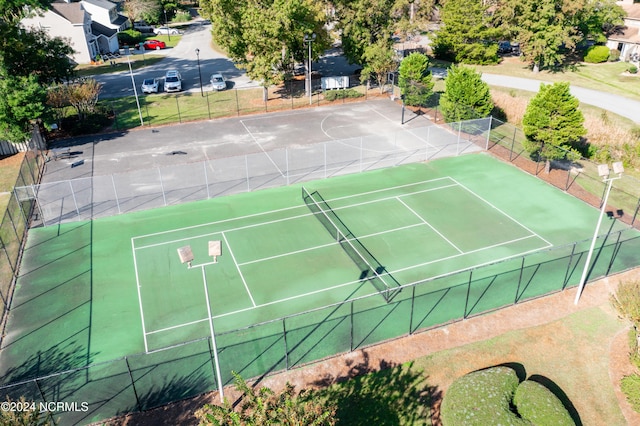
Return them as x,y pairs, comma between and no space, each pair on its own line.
597,54
495,396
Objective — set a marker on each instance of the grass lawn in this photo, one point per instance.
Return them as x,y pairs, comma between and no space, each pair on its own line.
572,353
607,77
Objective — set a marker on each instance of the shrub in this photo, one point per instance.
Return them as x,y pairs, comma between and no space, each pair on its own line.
597,54
633,69
614,55
495,396
540,406
182,16
129,37
481,398
332,95
630,386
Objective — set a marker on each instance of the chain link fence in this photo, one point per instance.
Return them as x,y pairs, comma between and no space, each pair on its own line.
102,196
14,224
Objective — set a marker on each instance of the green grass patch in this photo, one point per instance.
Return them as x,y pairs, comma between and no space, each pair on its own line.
137,62
608,77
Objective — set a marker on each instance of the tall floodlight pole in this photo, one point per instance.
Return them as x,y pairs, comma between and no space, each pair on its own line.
135,91
199,73
603,171
309,39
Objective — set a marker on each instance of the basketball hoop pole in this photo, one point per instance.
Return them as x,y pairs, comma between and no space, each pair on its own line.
213,337
186,256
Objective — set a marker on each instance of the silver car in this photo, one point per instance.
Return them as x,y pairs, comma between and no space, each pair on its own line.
150,85
218,82
166,31
172,81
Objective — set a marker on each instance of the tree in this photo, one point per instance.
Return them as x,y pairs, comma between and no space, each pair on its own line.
379,59
264,407
466,35
137,9
28,52
22,102
362,23
466,96
29,416
266,37
553,124
415,80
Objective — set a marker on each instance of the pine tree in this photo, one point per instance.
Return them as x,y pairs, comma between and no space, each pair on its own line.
415,80
553,124
466,96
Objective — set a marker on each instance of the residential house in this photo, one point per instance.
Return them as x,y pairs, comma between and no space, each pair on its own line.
69,21
90,26
627,38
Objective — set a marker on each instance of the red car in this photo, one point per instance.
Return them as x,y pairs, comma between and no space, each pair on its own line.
154,45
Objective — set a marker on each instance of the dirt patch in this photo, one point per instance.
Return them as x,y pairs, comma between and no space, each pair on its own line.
9,169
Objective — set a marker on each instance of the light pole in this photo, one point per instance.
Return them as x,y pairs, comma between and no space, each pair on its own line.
309,39
166,24
604,172
186,256
199,74
135,91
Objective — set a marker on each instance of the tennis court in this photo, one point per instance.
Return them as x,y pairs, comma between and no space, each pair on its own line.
347,262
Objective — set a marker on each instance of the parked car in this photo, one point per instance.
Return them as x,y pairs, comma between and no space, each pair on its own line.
218,82
166,31
504,47
143,27
154,45
172,81
150,85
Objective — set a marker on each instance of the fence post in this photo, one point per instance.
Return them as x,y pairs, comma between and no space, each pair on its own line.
14,269
486,148
513,142
566,274
206,178
360,154
237,103
458,142
635,214
178,107
115,192
616,249
164,197
73,195
515,300
286,346
40,390
208,107
413,302
246,166
286,160
351,329
466,301
133,383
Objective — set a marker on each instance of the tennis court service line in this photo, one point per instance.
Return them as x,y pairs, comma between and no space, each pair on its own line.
253,302
429,225
502,212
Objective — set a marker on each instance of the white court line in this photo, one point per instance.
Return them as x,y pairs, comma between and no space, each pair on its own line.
429,225
135,267
502,212
253,302
262,148
255,225
329,244
186,324
283,209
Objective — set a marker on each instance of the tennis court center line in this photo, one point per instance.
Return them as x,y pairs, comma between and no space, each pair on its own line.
135,268
253,302
429,225
502,212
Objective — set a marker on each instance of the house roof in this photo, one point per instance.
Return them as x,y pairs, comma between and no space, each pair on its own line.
98,29
627,34
632,10
121,19
72,12
105,4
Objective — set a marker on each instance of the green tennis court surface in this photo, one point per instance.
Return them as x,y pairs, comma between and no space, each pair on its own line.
473,233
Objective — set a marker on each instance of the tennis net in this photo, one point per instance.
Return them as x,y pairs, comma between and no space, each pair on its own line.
370,269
